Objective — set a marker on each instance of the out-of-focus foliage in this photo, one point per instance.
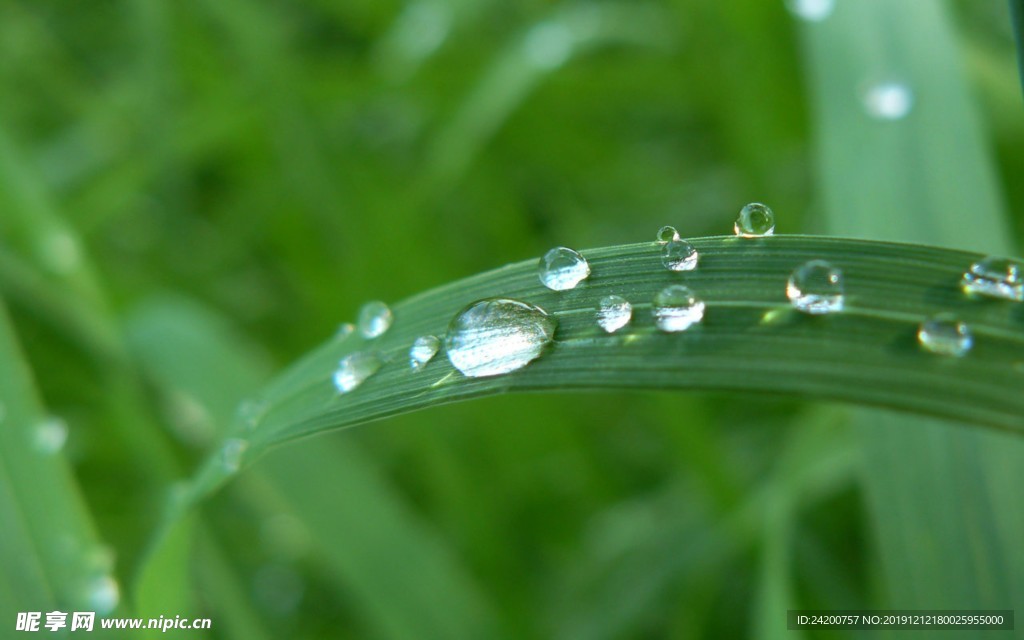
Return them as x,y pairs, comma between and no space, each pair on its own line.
193,194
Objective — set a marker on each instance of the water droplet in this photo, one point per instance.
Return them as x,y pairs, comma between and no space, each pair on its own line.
562,269
613,313
354,369
816,287
374,319
345,329
945,335
811,10
888,100
548,45
50,435
498,335
995,278
755,221
679,255
676,308
667,234
102,595
251,412
423,351
60,252
231,454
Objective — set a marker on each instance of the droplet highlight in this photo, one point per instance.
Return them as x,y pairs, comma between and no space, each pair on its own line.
994,277
613,313
498,335
423,351
811,10
756,220
102,595
354,369
676,308
816,288
679,255
888,100
561,269
667,234
945,335
231,454
374,319
49,436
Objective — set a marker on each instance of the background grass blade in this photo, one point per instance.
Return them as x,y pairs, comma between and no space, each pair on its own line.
942,499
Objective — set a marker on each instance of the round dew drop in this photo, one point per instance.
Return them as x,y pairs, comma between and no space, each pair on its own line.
354,369
816,287
676,308
49,436
497,335
374,319
423,351
888,100
945,335
811,10
679,255
613,313
561,269
667,234
994,277
755,221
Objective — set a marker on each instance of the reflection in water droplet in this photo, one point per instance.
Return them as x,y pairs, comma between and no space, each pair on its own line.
354,369
816,288
995,278
755,221
50,435
811,10
231,454
945,335
423,351
374,319
562,269
667,234
498,335
888,100
679,255
548,45
345,329
613,313
251,412
677,308
102,595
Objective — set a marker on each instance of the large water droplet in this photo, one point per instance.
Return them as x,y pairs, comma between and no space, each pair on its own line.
945,335
676,308
667,234
562,269
679,255
49,436
497,335
755,221
888,100
811,10
995,278
816,288
423,351
231,454
613,313
354,369
374,319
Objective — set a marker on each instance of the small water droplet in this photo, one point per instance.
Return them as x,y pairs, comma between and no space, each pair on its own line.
548,45
345,329
816,287
755,221
677,308
60,252
945,335
354,369
498,335
562,269
50,435
811,10
251,412
995,278
374,319
888,100
423,351
679,255
231,454
667,234
102,595
613,313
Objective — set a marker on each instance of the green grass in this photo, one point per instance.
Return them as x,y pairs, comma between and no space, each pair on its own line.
194,195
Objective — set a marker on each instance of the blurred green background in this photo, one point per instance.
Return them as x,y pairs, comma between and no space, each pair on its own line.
193,194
